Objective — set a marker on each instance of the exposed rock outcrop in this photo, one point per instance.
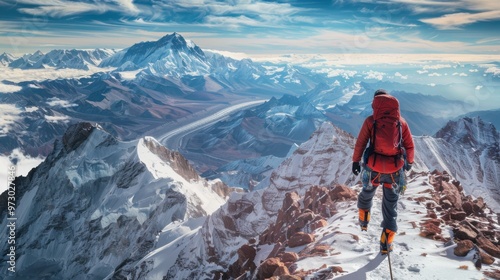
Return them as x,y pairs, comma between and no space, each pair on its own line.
295,226
470,219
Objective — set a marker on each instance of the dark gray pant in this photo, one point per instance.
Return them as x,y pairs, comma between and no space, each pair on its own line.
391,186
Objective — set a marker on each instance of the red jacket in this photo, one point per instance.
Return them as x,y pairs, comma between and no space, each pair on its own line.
383,164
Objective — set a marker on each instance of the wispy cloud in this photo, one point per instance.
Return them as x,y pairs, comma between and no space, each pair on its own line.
255,26
19,75
393,23
62,8
449,14
457,20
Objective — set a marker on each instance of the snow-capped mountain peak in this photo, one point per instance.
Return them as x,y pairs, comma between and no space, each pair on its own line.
469,132
6,58
177,42
171,54
96,204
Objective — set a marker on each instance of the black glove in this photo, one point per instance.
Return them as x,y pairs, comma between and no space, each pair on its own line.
408,166
356,168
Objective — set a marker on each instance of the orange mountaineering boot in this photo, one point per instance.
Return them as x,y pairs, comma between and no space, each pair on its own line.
386,239
364,218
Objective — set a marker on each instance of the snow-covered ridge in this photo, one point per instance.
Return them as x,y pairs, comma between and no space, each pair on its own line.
96,203
319,161
61,59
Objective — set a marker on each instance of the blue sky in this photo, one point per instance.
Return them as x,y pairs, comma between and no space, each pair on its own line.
257,27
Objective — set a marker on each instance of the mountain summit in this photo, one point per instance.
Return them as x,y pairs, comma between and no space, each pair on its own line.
6,58
470,133
170,54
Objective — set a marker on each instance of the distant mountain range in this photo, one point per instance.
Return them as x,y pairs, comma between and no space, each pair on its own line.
174,79
59,59
142,87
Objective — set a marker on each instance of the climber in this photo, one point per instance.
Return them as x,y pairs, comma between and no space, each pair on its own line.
390,152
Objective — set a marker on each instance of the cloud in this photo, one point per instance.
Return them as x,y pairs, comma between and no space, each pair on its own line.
393,23
56,102
19,75
457,20
63,8
493,70
235,55
459,74
326,62
55,119
397,74
21,162
437,66
31,109
375,75
426,6
9,88
344,73
435,75
231,14
233,22
249,26
128,5
9,115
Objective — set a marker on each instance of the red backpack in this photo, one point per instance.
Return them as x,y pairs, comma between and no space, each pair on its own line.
386,139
